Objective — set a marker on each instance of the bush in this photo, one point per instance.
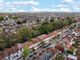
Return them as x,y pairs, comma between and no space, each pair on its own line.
71,50
1,18
59,57
26,51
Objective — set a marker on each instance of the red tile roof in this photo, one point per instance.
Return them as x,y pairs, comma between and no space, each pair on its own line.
8,52
14,49
59,47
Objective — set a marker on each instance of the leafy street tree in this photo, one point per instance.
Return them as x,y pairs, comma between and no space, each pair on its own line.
19,22
43,29
48,27
18,36
60,57
14,17
69,20
26,52
71,50
7,40
42,43
52,19
45,23
1,30
25,32
1,18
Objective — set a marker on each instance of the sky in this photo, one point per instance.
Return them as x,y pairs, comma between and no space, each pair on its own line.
39,5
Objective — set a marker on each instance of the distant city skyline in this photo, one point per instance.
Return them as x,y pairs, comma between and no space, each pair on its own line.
39,5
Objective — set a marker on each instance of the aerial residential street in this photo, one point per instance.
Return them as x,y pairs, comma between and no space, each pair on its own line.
45,38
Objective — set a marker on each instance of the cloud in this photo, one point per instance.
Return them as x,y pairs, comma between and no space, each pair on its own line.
36,6
15,5
62,5
65,10
23,3
68,1
34,9
67,6
50,10
1,1
13,9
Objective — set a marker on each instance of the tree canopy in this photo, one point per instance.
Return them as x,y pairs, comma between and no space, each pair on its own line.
1,18
26,51
46,27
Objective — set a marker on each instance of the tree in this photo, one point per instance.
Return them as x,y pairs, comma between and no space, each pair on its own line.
19,22
45,23
71,50
69,20
52,19
60,57
25,32
57,25
1,18
35,33
42,43
14,17
38,21
65,23
18,36
26,52
7,40
43,29
24,21
1,30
